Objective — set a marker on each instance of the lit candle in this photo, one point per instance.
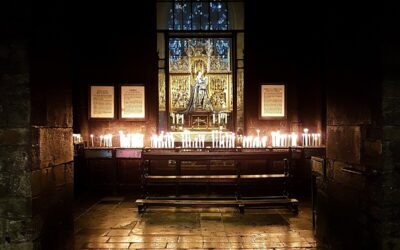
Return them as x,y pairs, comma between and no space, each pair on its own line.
319,139
91,138
304,137
264,141
294,139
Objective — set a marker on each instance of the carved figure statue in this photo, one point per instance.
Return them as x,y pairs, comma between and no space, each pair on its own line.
199,97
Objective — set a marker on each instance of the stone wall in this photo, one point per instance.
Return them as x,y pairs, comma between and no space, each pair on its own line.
391,134
288,51
350,199
16,224
391,165
51,127
117,50
36,166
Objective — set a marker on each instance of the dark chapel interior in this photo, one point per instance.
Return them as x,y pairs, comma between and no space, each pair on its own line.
79,170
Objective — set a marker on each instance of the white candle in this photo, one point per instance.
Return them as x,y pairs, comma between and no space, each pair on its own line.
319,139
91,138
213,118
212,138
294,139
173,118
264,141
273,139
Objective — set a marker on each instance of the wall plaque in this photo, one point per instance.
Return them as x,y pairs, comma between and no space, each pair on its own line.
273,101
101,102
132,102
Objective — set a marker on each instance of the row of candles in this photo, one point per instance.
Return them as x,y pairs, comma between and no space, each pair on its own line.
134,140
219,139
105,140
162,140
223,140
197,142
254,142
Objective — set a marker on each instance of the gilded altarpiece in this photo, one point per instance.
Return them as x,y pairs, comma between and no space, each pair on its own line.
210,56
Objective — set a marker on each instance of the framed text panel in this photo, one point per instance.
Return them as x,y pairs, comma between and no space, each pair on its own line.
133,102
101,102
272,101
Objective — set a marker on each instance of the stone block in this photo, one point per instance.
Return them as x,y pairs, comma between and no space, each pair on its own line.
391,133
14,136
22,246
391,89
15,85
14,159
59,175
353,181
391,111
15,207
394,147
18,115
19,231
391,243
20,185
344,143
4,183
55,146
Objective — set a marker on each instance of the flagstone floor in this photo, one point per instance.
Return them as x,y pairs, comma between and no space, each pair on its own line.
114,223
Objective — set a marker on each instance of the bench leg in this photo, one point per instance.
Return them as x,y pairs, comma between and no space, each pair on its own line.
241,208
141,208
294,208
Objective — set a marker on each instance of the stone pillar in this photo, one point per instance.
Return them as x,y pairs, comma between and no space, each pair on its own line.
36,168
350,198
390,173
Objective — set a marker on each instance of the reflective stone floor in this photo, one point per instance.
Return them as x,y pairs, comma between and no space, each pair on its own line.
114,223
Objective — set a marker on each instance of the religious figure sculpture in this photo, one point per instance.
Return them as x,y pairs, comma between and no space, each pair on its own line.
199,97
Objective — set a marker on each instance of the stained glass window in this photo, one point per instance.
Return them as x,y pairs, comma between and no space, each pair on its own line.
219,51
198,15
